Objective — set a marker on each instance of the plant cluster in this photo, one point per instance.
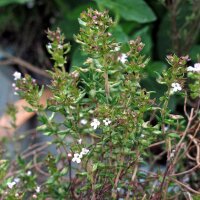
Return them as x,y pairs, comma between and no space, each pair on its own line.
109,123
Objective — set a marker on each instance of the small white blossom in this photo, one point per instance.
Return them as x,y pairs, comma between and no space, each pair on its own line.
49,46
37,189
34,196
190,69
17,75
196,68
117,48
106,121
95,123
175,87
84,151
11,184
29,173
16,195
60,46
17,180
77,158
166,128
172,154
34,81
80,141
122,58
83,121
15,93
142,136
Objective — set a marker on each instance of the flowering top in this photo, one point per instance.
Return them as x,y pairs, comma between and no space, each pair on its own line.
95,123
196,68
122,58
176,87
17,75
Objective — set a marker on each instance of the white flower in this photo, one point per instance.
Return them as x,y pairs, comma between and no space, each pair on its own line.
84,151
80,141
37,189
29,173
49,46
175,87
122,58
196,68
11,184
83,121
95,123
17,75
15,93
77,158
142,136
117,48
60,46
16,195
17,180
106,121
190,69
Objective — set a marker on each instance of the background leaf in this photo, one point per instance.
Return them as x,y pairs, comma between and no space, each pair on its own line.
131,10
6,2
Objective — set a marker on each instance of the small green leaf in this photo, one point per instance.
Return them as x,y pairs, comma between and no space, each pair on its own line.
95,166
173,135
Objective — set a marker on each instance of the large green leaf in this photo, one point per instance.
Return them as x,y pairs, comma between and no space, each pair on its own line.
6,2
118,34
131,10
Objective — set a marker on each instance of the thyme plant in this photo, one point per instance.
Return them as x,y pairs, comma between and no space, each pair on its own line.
107,129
